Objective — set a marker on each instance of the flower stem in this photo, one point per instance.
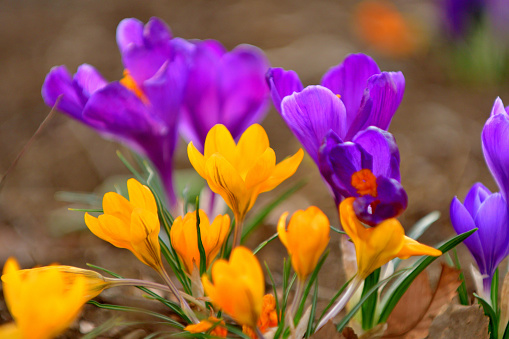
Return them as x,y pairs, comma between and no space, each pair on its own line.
237,232
341,303
183,304
259,333
295,301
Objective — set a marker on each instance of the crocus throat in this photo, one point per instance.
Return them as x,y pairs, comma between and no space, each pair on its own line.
364,181
128,82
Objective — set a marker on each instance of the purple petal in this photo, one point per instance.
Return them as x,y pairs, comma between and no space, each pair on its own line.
244,91
310,114
463,222
87,80
59,82
390,202
145,55
379,103
498,107
495,143
349,79
492,221
282,83
129,32
475,197
382,146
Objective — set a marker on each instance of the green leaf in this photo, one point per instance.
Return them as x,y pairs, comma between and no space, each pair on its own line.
89,210
365,297
263,244
201,249
400,286
462,289
310,328
491,314
368,309
309,284
275,292
423,224
337,230
494,292
334,298
253,222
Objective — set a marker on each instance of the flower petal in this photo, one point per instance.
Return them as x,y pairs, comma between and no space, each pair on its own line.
140,196
283,171
282,83
219,140
253,143
129,32
260,171
310,114
349,79
59,82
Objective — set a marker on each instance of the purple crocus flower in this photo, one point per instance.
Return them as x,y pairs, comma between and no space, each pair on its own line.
366,168
223,87
490,244
353,96
459,16
142,109
485,210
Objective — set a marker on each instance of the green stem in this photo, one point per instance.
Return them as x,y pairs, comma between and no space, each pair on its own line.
183,304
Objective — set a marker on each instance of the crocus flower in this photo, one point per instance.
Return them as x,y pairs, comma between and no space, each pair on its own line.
240,172
213,326
366,168
268,317
131,224
223,87
184,237
238,286
376,246
305,238
142,109
42,302
461,16
353,96
490,244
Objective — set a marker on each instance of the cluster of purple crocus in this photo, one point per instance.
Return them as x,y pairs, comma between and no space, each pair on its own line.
170,86
485,210
342,124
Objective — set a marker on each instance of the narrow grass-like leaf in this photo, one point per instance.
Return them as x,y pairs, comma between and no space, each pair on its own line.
176,267
334,298
506,332
337,230
237,331
263,244
311,326
423,224
399,287
89,210
309,284
366,296
130,167
169,320
201,249
462,289
104,327
491,314
494,293
253,222
368,309
275,292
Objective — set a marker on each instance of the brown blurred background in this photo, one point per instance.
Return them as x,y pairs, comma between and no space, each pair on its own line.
437,126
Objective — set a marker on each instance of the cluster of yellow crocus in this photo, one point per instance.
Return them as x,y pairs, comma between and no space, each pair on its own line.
184,237
45,301
376,246
305,238
240,172
131,224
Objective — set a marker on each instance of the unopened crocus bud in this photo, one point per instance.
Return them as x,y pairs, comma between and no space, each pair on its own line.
238,286
43,301
184,237
305,238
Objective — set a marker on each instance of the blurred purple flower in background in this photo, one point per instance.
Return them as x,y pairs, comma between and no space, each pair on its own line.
169,83
460,16
368,97
485,210
223,87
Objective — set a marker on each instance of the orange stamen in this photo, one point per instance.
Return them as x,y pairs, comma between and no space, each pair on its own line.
364,181
339,96
128,82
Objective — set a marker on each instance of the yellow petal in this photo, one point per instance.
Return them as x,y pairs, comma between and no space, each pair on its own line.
197,160
116,205
219,140
10,331
224,180
252,144
412,247
262,169
283,171
281,229
110,228
140,196
145,237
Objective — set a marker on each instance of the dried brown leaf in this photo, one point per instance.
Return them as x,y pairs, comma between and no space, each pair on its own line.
504,302
458,321
329,331
417,327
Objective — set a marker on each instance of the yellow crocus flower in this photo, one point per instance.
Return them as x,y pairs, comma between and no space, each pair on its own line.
132,224
240,172
184,237
43,302
376,246
305,238
219,331
238,286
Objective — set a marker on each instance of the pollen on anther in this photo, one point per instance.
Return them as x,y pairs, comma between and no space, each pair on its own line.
364,181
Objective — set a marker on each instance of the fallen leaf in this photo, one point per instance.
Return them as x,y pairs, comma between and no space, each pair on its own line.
328,331
458,321
504,304
414,313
